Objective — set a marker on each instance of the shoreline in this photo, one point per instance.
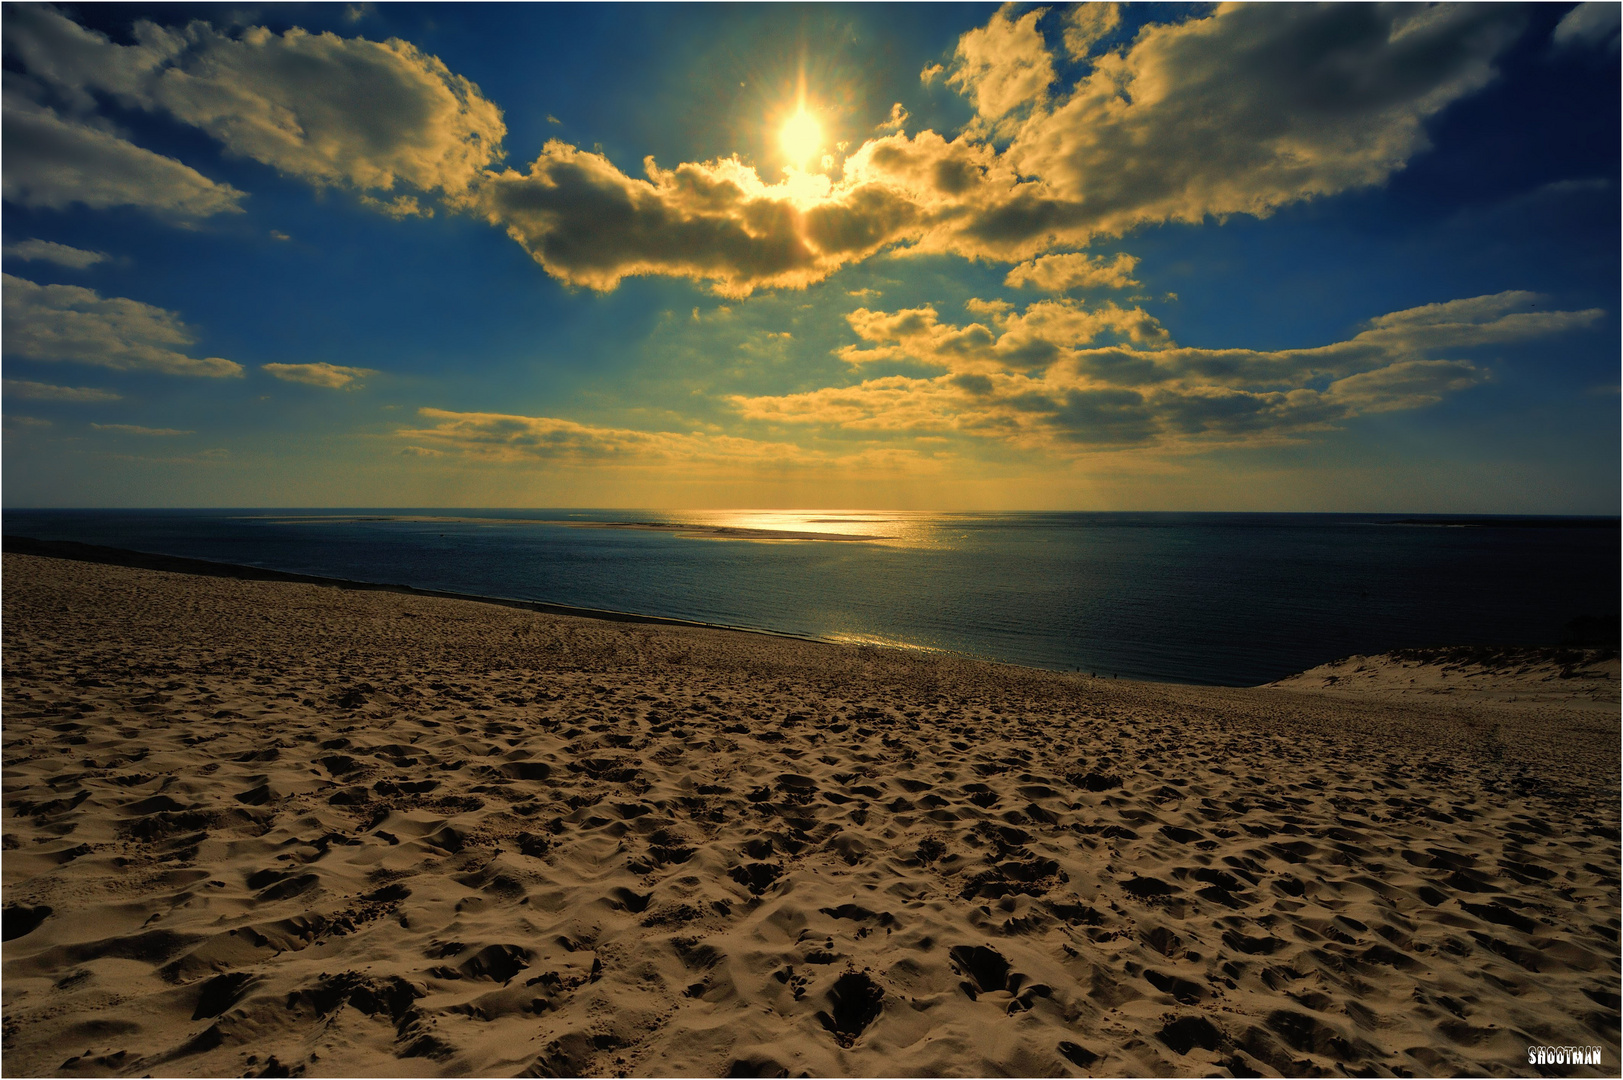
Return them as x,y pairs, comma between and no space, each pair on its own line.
178,564
114,556
261,827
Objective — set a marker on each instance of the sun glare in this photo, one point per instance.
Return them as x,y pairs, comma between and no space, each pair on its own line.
801,138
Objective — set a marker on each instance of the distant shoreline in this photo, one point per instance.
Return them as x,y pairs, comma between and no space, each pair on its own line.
177,564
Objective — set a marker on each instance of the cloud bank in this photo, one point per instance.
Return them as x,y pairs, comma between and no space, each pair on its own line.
1059,377
505,438
508,440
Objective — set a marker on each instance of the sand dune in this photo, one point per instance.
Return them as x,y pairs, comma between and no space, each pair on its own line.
1527,678
271,828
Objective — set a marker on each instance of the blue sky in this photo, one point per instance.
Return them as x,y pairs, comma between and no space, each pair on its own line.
1093,257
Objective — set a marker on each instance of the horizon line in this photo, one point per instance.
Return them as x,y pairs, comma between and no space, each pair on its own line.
402,509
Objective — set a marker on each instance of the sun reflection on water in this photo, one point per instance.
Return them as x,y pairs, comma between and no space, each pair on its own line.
893,527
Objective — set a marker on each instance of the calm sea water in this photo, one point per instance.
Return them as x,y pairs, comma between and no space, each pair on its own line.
1233,599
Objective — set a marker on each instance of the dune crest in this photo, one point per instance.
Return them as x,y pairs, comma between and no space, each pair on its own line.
273,828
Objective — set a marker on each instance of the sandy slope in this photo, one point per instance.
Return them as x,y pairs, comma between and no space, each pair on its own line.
1531,680
286,827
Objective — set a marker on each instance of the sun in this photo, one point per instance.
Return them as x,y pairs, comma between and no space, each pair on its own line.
800,138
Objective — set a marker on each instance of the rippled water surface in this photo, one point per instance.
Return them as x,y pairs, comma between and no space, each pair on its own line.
1234,599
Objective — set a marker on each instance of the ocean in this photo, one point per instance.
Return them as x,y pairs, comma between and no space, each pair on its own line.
1224,599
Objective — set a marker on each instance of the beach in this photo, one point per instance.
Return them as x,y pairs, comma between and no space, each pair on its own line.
282,828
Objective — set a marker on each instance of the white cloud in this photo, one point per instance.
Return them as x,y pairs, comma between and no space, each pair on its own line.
1254,107
1407,384
589,224
61,254
1034,338
1501,317
332,376
72,61
54,163
136,429
1591,24
330,110
38,391
76,325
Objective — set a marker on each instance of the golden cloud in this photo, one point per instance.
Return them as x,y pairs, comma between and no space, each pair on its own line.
1003,65
1075,270
1254,107
1086,24
1042,383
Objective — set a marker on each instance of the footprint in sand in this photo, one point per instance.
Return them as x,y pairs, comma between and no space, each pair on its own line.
855,1002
